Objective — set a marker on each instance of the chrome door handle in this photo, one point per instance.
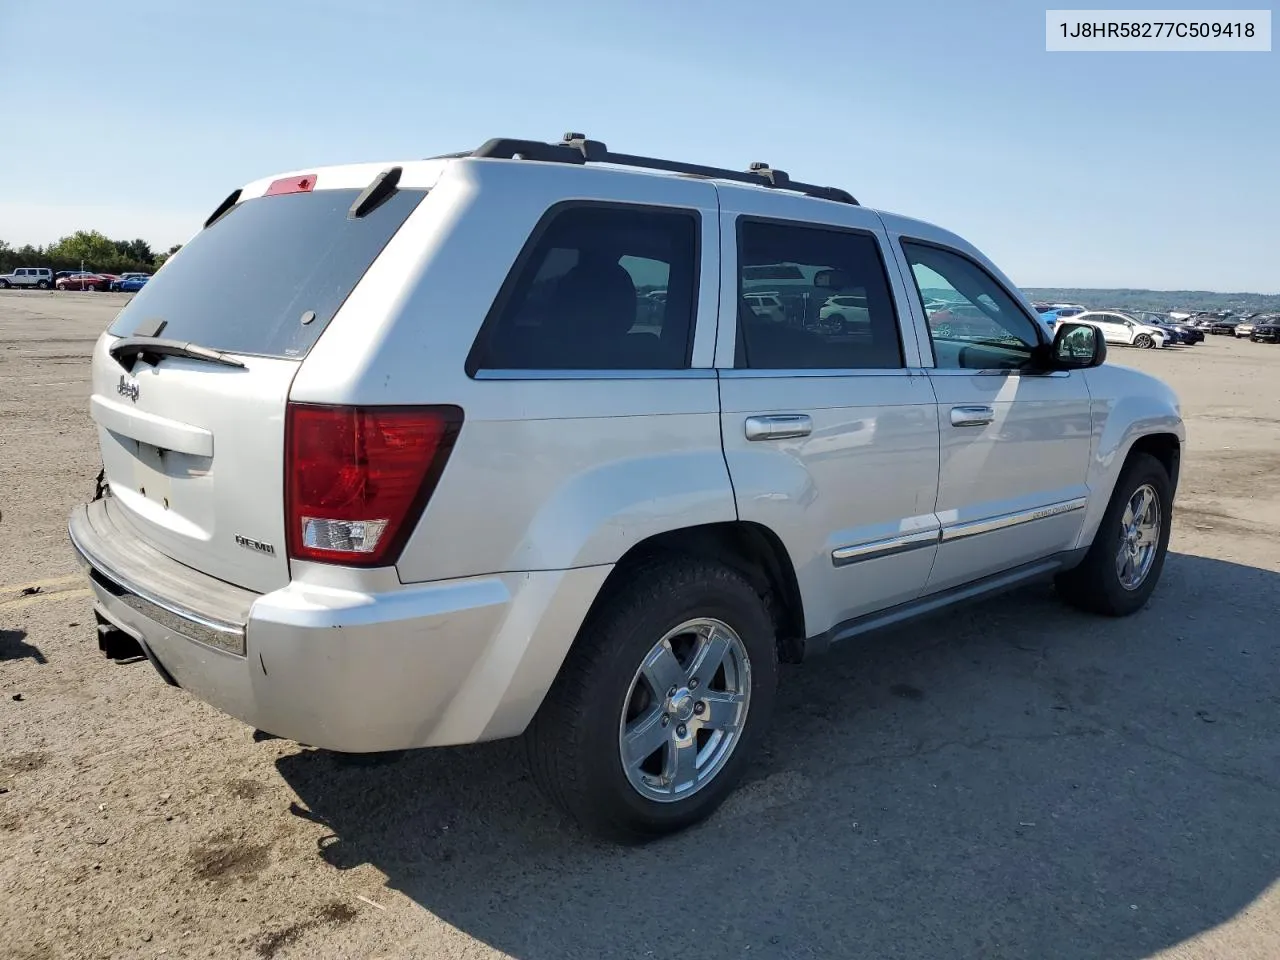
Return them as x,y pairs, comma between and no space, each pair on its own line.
971,416
779,426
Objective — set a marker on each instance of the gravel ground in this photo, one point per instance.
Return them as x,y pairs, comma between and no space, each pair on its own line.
1012,780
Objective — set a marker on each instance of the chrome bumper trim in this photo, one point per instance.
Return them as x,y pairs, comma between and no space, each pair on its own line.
221,635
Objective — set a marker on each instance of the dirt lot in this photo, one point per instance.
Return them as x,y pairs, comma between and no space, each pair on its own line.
1013,780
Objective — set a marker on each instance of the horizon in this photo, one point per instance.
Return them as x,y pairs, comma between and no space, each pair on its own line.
1087,170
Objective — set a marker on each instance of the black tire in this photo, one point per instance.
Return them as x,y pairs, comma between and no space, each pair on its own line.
42,285
4,284
575,758
1095,585
1144,341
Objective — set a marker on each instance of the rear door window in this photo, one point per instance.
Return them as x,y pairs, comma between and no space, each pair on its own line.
246,283
837,315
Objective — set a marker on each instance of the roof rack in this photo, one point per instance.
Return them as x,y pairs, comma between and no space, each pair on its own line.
575,148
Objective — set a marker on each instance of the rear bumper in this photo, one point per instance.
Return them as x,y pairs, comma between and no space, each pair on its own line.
347,660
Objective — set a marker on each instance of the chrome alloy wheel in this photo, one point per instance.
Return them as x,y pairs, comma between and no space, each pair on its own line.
1139,537
685,710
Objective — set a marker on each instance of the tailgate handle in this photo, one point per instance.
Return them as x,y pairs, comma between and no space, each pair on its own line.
148,428
779,426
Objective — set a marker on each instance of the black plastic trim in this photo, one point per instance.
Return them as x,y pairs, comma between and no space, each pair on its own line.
376,193
223,208
932,603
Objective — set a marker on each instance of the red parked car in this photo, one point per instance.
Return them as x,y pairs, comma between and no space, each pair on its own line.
85,281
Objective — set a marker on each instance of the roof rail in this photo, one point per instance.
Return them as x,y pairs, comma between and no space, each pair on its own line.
575,148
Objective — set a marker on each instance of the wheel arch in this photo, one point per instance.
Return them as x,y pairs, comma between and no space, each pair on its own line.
1162,438
751,549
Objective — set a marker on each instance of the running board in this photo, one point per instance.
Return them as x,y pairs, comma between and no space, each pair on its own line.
932,603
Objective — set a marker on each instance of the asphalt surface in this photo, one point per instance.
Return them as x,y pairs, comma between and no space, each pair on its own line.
1014,779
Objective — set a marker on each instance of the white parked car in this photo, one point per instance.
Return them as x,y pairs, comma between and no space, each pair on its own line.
419,478
1124,328
38,278
849,311
765,305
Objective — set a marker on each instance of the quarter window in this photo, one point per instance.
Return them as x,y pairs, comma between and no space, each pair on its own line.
603,287
813,298
975,325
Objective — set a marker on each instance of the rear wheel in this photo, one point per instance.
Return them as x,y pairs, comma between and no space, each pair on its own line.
1144,341
660,704
1123,565
93,287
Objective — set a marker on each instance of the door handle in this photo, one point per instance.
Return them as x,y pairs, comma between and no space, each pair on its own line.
779,426
977,416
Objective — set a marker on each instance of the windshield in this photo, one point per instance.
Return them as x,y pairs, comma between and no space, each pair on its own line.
244,284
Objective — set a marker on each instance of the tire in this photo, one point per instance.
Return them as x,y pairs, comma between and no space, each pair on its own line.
92,288
42,285
575,742
1095,585
1144,341
4,284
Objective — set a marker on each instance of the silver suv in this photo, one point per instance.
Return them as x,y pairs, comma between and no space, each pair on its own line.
35,278
493,445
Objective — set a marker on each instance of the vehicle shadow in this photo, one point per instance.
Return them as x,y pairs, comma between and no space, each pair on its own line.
14,646
1014,779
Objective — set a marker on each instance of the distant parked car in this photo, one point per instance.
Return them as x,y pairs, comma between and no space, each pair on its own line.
766,305
1266,329
849,312
130,284
83,281
1244,328
1178,332
1061,311
1222,325
116,284
87,281
39,278
1123,328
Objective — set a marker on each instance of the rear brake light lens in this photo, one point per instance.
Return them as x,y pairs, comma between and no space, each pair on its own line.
303,184
358,478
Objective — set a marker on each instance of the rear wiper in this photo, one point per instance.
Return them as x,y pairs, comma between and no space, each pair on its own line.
151,349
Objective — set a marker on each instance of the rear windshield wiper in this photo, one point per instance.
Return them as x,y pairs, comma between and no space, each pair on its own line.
153,348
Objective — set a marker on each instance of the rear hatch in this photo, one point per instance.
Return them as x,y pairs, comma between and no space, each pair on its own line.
194,449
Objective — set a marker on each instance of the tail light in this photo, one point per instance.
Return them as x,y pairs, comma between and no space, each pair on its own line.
358,478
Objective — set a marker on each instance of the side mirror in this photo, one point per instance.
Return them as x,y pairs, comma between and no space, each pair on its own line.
1077,346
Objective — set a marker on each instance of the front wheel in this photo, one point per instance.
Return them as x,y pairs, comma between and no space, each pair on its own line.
1123,565
42,285
1144,341
663,699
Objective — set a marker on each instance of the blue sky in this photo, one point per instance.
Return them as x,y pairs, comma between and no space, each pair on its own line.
1145,170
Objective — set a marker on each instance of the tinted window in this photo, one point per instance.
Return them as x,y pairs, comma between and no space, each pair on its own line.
244,284
837,313
602,288
982,327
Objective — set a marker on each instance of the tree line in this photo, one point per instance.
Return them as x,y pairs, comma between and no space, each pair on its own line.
88,248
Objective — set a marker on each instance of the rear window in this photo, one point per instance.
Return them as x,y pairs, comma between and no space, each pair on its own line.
245,284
